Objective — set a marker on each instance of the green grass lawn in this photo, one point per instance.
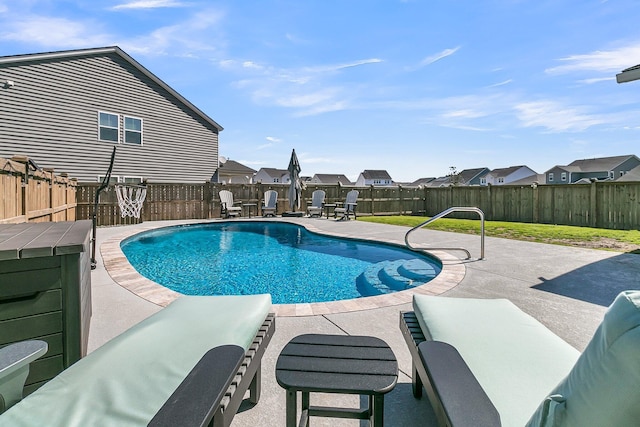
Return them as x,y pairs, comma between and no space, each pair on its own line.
598,238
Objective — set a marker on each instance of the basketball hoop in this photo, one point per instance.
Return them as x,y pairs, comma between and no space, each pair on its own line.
130,199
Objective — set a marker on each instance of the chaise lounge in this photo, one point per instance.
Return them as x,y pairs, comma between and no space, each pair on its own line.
487,363
138,378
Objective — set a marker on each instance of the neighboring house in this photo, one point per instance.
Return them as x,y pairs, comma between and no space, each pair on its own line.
422,181
67,110
599,169
471,176
271,175
631,176
508,175
232,172
442,181
325,178
374,177
537,179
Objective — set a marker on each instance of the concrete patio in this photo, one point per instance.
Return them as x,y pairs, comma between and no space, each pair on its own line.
567,289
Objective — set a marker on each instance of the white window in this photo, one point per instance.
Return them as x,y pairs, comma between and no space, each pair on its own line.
131,179
108,127
622,172
563,176
483,181
550,176
611,175
500,180
112,179
132,130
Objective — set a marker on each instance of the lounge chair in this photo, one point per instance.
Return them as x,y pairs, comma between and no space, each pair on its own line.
270,203
154,373
227,207
349,207
487,363
317,203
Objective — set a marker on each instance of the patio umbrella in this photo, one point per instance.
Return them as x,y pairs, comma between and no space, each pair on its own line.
294,182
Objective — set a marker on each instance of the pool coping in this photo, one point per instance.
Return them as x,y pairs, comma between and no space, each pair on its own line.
123,273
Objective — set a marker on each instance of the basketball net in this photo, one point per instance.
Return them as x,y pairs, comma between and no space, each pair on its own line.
130,199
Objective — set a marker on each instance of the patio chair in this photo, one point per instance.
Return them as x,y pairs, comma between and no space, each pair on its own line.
486,363
349,207
270,203
190,364
227,208
317,203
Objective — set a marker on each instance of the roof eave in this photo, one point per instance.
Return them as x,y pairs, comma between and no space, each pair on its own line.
124,55
629,75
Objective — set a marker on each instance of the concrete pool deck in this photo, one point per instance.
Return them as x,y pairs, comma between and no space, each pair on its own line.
568,289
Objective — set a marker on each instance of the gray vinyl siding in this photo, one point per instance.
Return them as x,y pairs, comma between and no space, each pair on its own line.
51,115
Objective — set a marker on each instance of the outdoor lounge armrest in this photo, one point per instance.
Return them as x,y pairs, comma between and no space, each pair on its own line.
457,397
14,369
198,397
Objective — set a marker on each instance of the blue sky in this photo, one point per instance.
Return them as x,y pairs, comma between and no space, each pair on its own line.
412,86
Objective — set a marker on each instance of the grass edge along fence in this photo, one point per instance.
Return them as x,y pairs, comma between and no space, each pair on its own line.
612,205
32,194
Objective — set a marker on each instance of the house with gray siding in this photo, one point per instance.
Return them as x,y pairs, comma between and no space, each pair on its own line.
598,169
471,176
327,178
67,110
504,176
232,172
374,177
271,176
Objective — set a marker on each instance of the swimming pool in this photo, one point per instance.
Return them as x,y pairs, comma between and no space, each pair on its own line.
285,260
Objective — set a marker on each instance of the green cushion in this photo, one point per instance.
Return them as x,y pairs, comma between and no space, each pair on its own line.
603,389
127,380
515,358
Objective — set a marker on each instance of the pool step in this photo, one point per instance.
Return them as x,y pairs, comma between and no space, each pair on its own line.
391,276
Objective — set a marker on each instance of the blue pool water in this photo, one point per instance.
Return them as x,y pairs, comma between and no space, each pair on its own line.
284,260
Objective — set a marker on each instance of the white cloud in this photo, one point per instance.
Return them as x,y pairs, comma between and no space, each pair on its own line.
306,90
601,61
596,80
555,117
54,32
437,57
148,4
467,113
506,82
190,37
272,142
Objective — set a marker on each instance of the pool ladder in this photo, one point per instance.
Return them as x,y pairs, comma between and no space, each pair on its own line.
443,214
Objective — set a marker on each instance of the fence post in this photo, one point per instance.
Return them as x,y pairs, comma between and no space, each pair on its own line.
25,185
593,211
535,217
372,209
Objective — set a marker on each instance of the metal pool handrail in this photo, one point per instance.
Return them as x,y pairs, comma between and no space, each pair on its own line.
443,214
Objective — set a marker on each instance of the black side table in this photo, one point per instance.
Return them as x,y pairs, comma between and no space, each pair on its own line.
336,364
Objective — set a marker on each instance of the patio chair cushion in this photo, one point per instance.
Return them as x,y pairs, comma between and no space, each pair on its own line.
515,358
127,380
603,387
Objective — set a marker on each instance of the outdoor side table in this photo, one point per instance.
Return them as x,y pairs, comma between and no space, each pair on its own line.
250,207
327,206
336,364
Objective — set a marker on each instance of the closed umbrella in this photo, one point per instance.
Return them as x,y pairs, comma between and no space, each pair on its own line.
294,182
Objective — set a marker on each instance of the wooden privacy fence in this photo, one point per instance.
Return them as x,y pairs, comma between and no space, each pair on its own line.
31,194
600,204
